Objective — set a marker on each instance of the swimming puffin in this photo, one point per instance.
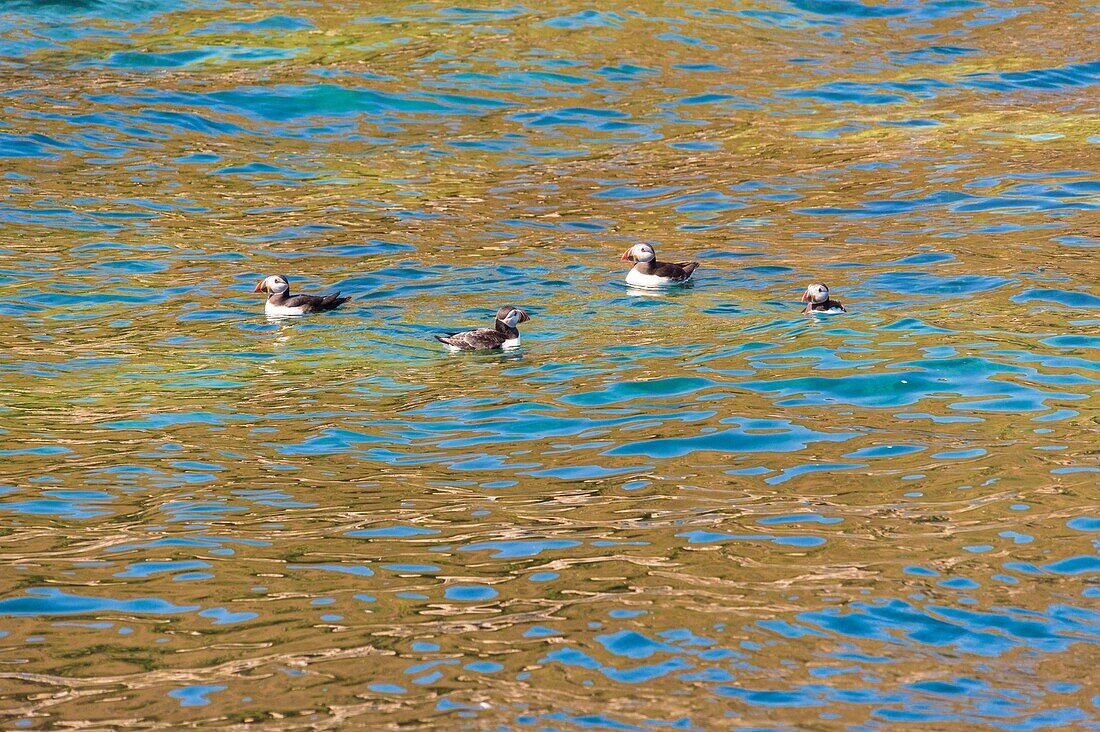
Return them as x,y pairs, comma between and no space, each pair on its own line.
817,300
281,302
648,272
503,334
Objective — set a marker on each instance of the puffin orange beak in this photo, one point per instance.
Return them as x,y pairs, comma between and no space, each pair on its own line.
628,255
260,286
806,295
523,316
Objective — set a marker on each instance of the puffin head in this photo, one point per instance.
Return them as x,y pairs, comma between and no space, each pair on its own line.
639,253
816,293
273,284
510,316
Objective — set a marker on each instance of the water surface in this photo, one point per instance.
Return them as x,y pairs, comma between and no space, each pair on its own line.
690,510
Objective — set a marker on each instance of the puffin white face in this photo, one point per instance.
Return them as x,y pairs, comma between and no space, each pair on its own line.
273,284
816,293
513,317
639,253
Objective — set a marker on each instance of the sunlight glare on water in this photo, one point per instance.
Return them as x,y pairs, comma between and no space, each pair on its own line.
695,509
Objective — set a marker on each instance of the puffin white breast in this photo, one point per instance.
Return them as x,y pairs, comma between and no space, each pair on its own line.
636,278
272,309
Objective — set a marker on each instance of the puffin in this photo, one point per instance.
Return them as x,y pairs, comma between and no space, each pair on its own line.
281,302
817,300
648,272
503,334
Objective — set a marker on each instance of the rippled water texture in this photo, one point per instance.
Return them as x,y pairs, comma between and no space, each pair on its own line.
692,510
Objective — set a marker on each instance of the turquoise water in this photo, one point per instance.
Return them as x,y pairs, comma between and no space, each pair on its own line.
694,509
